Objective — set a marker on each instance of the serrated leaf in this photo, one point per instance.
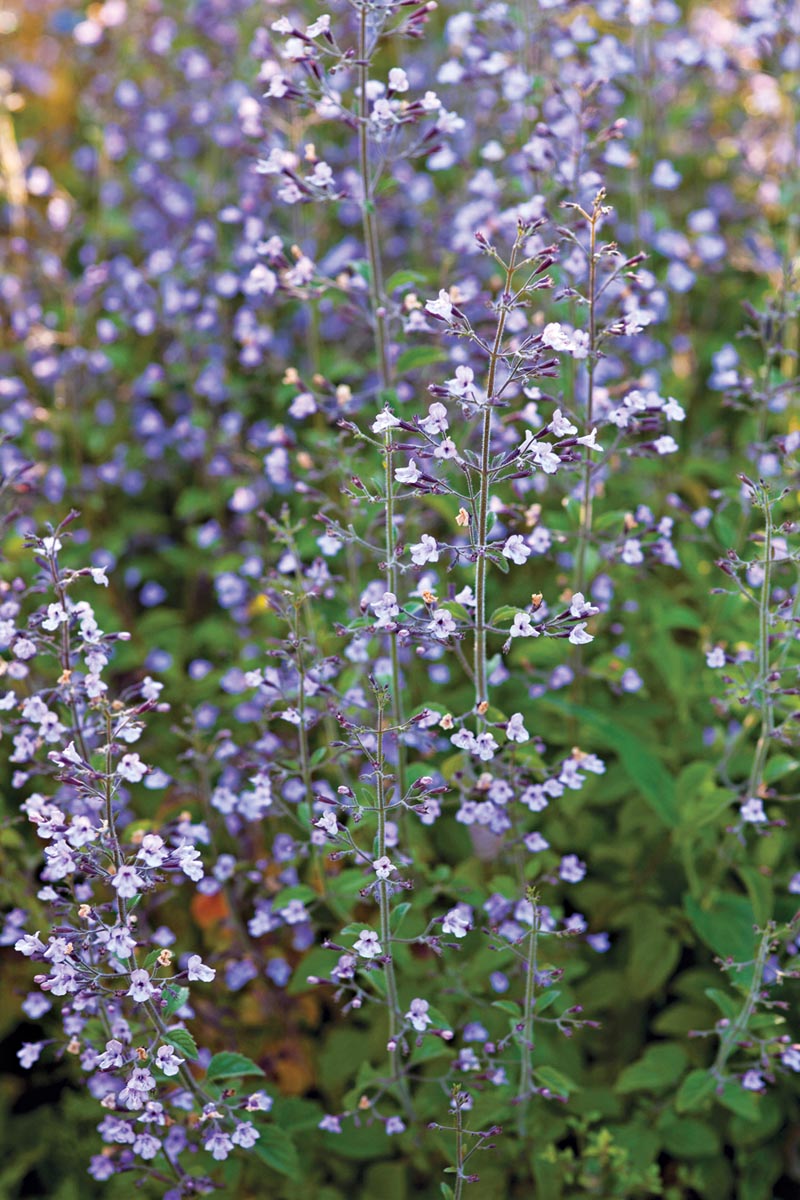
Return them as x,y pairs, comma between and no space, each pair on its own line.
725,1003
546,1000
277,1150
300,891
397,915
176,997
506,612
725,924
419,356
646,772
183,1041
556,1081
740,1101
661,1065
697,1087
508,1006
402,279
228,1065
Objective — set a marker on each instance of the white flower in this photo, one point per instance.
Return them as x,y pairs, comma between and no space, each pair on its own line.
560,426
441,307
580,608
436,420
632,552
198,971
516,549
98,575
368,944
321,25
132,768
556,337
665,444
522,626
56,616
418,1015
168,1061
589,440
398,80
385,609
578,635
458,921
545,457
485,746
715,657
579,347
383,867
515,729
409,474
424,551
141,988
442,624
328,823
752,811
384,420
461,385
321,176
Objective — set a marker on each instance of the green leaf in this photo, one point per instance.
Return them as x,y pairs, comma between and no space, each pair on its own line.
556,1081
687,1137
655,952
300,892
697,1087
738,1100
401,279
508,1006
506,612
183,1041
228,1065
661,1065
725,1003
176,997
546,1000
419,356
398,913
646,772
295,1113
278,1151
725,924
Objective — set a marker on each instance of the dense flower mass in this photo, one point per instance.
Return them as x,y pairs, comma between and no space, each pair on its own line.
399,606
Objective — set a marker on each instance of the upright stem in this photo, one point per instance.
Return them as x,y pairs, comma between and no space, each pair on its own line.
481,688
585,530
459,1188
378,314
526,1064
737,1030
762,745
392,1000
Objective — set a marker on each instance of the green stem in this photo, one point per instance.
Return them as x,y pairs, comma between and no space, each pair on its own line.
734,1032
762,747
526,1065
481,687
392,1000
378,314
585,530
459,1188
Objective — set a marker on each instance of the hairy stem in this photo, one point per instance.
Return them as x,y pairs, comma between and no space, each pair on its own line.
378,315
481,688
